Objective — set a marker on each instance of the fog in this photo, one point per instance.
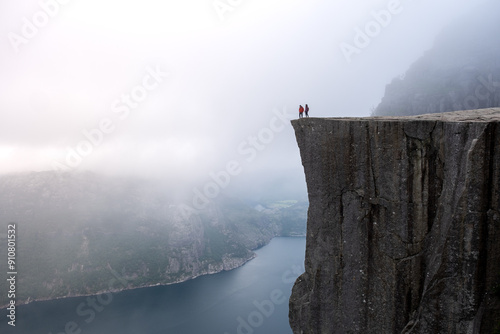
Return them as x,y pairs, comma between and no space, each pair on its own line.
181,89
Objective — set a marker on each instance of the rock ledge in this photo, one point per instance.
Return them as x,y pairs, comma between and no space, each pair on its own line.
403,228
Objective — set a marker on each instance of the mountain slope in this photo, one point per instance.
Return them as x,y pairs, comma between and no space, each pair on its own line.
77,231
460,72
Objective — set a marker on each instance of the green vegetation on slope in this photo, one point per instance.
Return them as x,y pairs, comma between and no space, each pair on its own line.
78,231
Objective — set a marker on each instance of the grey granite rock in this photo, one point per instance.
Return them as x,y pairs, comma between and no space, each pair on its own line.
403,228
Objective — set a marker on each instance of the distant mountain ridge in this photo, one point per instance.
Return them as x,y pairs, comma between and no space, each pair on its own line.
460,72
78,230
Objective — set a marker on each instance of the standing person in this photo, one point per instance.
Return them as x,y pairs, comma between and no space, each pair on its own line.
307,110
301,111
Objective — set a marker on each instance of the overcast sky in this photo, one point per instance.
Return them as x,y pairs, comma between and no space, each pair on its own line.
100,67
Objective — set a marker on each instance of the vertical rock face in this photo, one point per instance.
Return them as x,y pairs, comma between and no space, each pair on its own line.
403,228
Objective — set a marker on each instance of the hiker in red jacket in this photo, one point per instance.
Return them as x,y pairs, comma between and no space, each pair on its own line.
301,111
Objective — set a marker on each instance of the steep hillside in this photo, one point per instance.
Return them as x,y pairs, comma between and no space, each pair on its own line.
461,71
76,231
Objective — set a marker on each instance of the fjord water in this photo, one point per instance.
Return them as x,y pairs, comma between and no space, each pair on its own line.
252,299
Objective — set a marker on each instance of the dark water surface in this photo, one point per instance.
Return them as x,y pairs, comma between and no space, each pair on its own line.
252,299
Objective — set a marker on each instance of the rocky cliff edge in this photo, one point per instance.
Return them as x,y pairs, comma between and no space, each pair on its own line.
403,228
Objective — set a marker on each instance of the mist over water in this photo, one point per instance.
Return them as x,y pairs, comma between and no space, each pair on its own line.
174,90
195,98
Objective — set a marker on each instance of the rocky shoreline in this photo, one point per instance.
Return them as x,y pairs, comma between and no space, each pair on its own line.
228,264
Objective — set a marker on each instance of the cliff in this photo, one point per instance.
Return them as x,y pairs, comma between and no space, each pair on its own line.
403,230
